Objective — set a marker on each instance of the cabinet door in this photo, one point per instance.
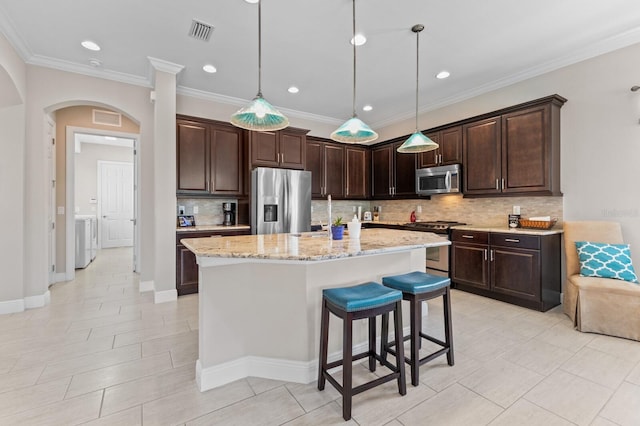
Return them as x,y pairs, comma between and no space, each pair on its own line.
430,158
192,141
481,161
516,272
264,149
334,165
405,173
315,164
226,161
186,271
356,172
381,171
450,146
292,149
526,150
470,265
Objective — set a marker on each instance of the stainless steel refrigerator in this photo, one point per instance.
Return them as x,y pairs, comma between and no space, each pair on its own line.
280,201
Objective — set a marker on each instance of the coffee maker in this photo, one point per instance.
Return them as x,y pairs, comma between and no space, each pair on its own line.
229,213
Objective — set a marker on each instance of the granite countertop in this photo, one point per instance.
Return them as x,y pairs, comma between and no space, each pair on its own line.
557,229
202,228
312,245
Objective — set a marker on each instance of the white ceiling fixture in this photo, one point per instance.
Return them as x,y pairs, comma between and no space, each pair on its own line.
443,74
90,45
359,40
96,63
367,108
209,68
293,89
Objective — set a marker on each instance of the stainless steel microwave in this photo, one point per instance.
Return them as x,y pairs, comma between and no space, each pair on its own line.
438,180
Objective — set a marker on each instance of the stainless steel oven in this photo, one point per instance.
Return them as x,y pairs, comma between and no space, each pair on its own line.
437,258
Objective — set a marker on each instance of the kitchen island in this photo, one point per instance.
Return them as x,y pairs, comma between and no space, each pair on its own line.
259,297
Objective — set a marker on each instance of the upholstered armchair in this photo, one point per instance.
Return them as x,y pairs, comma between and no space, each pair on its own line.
599,305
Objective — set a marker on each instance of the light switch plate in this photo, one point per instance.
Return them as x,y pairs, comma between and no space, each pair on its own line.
195,210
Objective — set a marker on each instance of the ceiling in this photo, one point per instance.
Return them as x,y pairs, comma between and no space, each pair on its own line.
484,44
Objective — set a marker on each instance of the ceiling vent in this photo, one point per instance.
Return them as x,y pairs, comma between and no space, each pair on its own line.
200,30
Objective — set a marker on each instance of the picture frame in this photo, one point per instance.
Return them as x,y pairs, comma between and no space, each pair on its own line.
185,221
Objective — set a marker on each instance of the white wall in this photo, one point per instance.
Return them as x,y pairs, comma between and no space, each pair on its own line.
600,134
12,172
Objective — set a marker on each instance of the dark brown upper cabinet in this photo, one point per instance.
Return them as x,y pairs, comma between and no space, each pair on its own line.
393,173
449,151
209,158
281,149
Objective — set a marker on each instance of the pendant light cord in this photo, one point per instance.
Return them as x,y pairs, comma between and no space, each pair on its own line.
354,58
417,73
260,49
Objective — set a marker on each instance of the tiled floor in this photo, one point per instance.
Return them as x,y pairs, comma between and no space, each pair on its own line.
102,353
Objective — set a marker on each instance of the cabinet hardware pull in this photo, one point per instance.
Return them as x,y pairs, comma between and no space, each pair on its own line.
512,240
492,255
503,184
497,185
440,158
485,254
468,236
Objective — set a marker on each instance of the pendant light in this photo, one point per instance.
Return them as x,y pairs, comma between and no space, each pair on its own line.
417,142
259,115
354,130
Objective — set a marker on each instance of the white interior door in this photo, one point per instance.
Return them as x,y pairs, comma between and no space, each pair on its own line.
115,203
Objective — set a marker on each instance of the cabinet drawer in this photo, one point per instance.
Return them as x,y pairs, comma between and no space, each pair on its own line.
475,237
516,241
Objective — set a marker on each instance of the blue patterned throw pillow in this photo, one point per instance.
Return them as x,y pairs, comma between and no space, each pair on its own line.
606,261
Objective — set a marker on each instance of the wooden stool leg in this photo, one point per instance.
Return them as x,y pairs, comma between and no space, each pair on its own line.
416,319
372,344
347,366
397,316
384,338
448,332
324,341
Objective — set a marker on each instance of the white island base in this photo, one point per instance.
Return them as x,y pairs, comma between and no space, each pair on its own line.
261,317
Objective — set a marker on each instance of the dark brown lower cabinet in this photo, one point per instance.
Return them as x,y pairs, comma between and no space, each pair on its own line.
186,266
522,269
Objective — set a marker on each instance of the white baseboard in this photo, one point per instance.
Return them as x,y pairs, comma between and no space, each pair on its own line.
60,277
11,306
37,301
165,296
146,286
268,368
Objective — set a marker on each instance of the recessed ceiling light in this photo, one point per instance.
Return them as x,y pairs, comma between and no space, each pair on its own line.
443,74
252,1
88,44
367,108
293,89
110,138
209,68
360,39
95,63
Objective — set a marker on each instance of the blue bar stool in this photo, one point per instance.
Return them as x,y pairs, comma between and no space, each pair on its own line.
417,287
353,303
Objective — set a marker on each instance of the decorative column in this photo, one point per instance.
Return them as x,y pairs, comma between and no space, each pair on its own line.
164,174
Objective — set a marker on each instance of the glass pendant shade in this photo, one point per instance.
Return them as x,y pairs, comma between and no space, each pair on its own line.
259,115
417,142
354,130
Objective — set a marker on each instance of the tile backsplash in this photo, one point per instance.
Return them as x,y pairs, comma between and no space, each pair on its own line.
475,211
209,209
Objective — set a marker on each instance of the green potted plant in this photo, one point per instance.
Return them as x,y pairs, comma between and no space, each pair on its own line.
337,229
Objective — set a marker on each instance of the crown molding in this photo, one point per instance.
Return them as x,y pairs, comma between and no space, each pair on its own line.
9,30
230,100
